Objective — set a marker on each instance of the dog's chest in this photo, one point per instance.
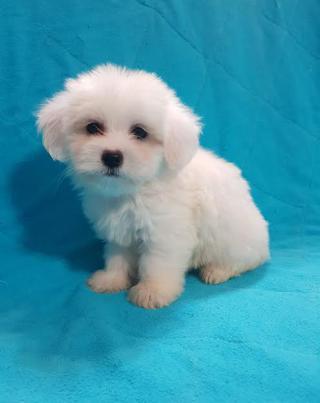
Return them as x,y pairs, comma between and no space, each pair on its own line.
123,222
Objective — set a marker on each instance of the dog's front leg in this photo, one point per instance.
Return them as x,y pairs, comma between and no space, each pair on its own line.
118,272
161,279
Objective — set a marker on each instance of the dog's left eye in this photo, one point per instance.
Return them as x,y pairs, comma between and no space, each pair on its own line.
139,132
94,128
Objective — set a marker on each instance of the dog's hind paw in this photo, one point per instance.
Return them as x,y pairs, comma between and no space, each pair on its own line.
212,274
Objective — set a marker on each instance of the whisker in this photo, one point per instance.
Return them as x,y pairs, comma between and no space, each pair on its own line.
112,171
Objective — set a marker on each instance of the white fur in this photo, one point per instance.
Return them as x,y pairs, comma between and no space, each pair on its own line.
173,206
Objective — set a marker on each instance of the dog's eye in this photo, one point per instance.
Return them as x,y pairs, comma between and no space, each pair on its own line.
94,128
139,132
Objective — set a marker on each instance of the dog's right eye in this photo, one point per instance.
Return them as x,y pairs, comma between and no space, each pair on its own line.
95,128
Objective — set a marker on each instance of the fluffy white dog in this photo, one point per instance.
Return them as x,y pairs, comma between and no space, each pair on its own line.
163,204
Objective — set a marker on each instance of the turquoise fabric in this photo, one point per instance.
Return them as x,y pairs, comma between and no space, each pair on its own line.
251,69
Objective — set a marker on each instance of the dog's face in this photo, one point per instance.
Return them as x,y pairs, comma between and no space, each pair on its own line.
118,129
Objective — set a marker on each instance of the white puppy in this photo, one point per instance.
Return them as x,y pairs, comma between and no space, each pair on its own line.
163,204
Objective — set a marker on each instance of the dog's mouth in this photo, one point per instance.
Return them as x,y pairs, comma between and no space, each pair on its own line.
112,172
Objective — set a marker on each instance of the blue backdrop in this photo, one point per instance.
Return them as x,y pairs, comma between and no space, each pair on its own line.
251,68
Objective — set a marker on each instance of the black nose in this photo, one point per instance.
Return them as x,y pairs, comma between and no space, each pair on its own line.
112,159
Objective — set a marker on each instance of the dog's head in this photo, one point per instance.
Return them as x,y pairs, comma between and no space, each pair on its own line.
118,128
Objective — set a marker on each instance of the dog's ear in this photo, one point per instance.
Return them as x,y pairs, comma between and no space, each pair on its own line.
50,123
182,135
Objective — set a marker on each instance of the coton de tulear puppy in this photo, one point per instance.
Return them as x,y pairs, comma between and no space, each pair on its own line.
164,204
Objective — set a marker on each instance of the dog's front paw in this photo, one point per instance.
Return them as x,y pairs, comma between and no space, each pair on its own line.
109,281
211,274
153,295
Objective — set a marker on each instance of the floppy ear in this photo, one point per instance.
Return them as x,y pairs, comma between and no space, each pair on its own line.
182,135
50,122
